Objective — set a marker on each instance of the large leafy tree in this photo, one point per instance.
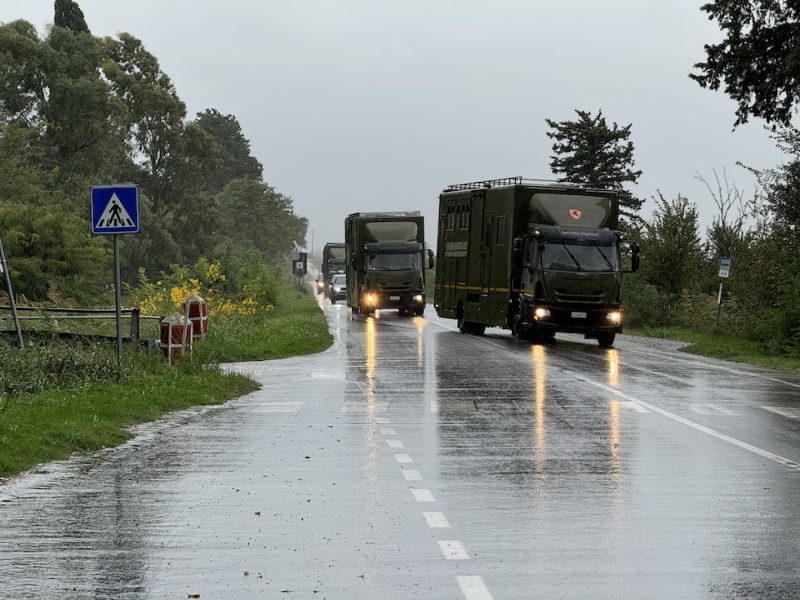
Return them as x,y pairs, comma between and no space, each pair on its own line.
258,215
758,61
671,245
591,152
234,159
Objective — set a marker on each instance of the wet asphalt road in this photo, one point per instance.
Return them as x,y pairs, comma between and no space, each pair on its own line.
410,461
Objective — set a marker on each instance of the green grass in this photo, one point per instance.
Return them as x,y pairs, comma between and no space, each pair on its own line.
57,399
297,328
717,345
51,425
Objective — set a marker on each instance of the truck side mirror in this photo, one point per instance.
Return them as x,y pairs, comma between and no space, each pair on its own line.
633,247
517,250
430,259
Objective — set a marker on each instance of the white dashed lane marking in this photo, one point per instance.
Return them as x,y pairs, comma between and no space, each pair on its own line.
412,475
473,587
436,520
395,444
453,550
403,459
388,431
422,495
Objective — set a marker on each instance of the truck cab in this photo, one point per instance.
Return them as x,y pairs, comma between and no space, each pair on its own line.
567,280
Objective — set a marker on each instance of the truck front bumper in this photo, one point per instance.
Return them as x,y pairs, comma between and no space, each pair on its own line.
376,300
577,320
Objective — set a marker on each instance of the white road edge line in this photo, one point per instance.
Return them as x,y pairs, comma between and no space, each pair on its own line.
707,430
473,587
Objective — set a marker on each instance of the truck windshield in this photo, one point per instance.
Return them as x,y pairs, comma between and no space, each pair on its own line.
394,262
565,256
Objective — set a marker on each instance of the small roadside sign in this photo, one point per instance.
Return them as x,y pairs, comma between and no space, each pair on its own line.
725,265
115,209
299,268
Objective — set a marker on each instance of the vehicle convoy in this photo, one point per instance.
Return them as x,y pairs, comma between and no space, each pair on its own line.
386,260
531,256
333,259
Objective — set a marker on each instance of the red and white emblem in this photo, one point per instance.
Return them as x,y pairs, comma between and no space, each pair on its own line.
575,213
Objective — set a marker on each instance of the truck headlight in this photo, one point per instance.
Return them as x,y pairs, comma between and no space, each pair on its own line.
418,299
540,313
614,317
371,299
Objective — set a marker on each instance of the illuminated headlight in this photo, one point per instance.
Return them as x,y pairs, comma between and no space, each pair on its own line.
320,284
418,298
371,298
540,313
614,317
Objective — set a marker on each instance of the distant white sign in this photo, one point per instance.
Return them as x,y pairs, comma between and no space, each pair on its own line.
725,265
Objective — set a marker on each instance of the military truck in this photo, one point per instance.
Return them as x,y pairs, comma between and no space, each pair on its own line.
332,263
531,256
386,260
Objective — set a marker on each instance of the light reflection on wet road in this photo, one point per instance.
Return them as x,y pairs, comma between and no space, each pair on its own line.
410,461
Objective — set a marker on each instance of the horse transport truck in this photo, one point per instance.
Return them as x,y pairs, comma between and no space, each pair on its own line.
531,256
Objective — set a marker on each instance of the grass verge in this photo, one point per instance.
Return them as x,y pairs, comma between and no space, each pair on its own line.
75,410
716,345
296,328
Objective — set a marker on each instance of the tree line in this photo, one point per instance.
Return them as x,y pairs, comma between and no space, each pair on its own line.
78,110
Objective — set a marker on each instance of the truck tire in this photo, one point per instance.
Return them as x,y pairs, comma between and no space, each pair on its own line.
606,340
520,332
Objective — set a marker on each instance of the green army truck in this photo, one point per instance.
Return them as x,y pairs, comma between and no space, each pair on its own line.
333,259
386,260
531,256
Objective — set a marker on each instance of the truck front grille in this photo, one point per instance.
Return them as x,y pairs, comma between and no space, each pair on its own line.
577,296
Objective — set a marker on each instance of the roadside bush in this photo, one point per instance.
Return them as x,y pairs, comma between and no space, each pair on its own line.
644,304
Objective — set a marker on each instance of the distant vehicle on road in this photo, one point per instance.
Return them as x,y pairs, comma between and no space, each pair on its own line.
337,287
333,259
531,256
386,261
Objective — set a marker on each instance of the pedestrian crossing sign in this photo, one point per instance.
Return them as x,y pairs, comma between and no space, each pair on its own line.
115,209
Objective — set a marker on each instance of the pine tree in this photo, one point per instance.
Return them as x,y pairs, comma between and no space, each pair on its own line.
70,16
758,60
589,152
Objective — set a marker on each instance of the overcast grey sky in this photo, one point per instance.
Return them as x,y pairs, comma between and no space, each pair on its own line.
374,105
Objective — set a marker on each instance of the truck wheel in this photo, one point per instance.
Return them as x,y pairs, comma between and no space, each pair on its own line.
419,311
478,329
606,340
401,312
518,329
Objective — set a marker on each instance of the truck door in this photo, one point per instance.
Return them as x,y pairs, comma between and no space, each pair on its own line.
486,256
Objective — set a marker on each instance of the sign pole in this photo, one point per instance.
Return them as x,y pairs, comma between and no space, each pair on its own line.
719,299
11,301
118,298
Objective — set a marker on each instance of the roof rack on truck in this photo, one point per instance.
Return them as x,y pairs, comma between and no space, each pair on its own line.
512,181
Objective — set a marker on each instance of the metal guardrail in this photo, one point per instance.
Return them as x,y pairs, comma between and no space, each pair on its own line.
78,314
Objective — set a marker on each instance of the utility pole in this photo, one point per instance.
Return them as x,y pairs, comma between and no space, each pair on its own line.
11,301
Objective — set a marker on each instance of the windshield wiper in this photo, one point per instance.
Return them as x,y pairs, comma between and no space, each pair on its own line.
610,266
572,256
